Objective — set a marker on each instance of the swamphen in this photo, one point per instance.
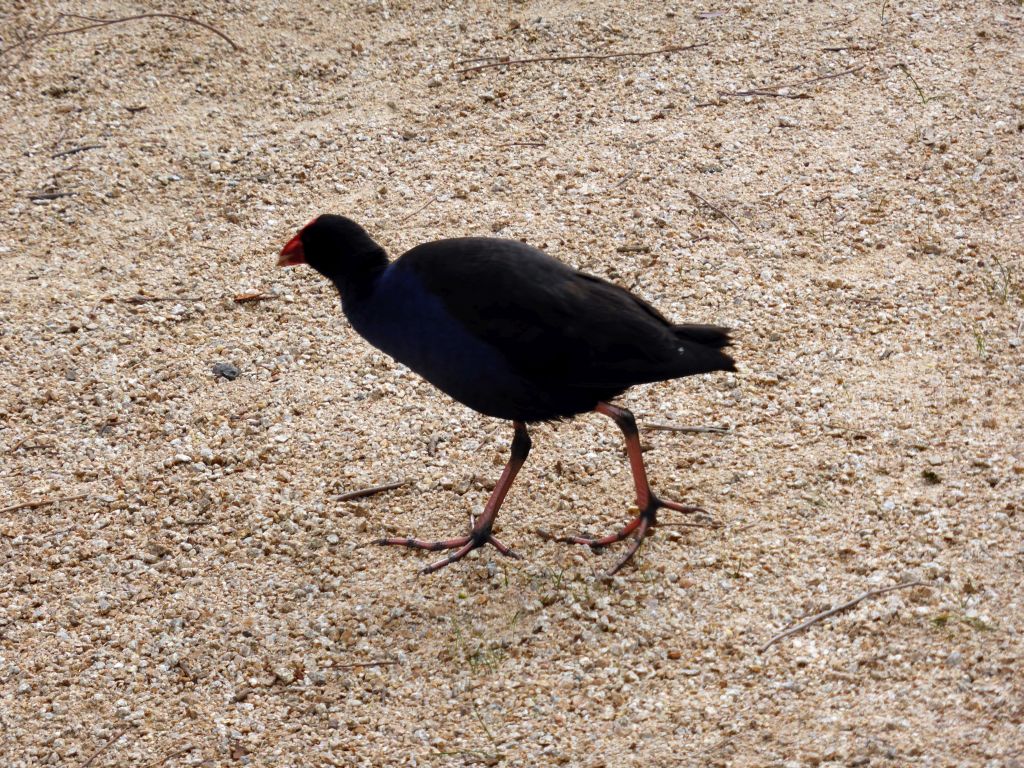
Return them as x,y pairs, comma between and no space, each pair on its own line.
513,333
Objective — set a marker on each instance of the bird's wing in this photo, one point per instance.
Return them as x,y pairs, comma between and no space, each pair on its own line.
550,321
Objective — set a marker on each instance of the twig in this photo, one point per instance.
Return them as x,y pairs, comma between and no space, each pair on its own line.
29,43
49,195
838,609
179,753
104,748
471,59
63,131
578,56
633,249
41,503
107,22
624,179
677,428
75,150
836,48
765,92
715,208
140,299
423,207
773,90
831,76
364,492
361,664
244,298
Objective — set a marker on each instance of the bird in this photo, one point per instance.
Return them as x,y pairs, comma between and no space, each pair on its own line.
513,333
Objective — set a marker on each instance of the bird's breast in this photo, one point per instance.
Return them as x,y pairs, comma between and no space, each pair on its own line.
404,320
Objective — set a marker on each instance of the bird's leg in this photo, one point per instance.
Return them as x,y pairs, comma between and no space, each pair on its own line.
646,501
481,528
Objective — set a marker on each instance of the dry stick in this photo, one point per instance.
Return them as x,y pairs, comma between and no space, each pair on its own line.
103,749
773,90
423,207
75,150
243,298
716,209
838,609
182,751
140,299
30,43
63,133
362,493
360,664
100,22
107,22
834,48
676,428
578,56
41,503
776,94
831,76
50,195
471,59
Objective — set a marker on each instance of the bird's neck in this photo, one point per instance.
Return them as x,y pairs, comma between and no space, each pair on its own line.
362,273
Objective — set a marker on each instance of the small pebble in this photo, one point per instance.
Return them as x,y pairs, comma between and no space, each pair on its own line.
226,371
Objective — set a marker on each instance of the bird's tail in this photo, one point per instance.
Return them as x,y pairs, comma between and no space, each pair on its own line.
702,345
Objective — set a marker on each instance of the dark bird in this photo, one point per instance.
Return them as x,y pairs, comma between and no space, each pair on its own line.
512,333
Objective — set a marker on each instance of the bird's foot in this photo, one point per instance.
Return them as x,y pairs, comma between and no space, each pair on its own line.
462,545
638,528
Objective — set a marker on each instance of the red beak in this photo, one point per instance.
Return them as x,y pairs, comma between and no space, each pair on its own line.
292,253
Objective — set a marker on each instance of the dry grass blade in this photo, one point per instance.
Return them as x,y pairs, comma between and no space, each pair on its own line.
105,747
423,207
98,22
49,195
364,492
362,664
775,90
579,56
679,428
715,208
253,296
75,150
41,503
838,609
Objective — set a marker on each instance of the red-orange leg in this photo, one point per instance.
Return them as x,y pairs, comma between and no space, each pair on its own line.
642,525
481,531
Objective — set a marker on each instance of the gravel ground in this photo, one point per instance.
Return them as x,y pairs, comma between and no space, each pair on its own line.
186,589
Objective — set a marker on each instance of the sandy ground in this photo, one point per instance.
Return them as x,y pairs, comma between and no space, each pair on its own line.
188,589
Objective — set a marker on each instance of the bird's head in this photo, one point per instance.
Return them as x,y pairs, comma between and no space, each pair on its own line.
337,248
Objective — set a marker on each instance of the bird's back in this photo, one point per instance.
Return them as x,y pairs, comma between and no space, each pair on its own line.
575,338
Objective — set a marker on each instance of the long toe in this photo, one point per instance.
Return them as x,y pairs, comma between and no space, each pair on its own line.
596,542
684,508
637,541
504,549
456,555
462,545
